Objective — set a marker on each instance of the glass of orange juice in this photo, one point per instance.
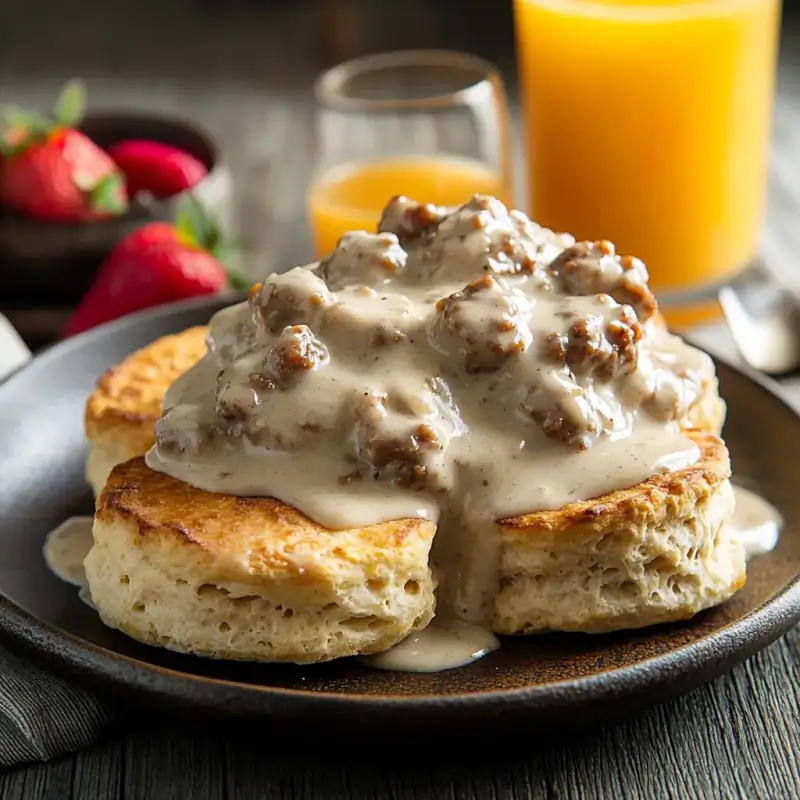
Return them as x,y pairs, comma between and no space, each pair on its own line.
430,124
648,123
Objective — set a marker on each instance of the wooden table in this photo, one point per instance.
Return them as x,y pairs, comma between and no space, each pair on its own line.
244,69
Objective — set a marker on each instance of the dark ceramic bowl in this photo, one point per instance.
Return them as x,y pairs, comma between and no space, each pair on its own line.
49,263
532,686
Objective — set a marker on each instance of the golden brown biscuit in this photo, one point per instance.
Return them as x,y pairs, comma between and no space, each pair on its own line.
707,415
657,552
122,411
251,578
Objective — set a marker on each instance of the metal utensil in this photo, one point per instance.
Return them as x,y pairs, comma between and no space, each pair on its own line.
764,321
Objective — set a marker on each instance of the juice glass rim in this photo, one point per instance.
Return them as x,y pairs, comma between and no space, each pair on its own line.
329,87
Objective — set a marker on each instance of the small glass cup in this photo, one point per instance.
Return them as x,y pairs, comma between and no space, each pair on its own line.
428,124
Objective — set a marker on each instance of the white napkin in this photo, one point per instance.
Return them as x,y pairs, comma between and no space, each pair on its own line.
13,351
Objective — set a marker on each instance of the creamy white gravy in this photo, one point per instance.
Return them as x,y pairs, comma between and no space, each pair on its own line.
65,549
438,647
757,522
462,365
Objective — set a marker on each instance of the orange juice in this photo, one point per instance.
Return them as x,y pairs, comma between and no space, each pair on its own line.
647,123
352,197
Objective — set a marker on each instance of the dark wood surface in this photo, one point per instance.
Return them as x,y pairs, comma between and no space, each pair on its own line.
736,738
244,69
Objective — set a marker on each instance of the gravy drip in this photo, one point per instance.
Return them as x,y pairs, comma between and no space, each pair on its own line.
757,522
65,548
462,365
437,647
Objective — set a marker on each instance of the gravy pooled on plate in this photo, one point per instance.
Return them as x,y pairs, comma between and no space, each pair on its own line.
463,365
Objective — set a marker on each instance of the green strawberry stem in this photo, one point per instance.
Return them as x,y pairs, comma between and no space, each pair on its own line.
108,194
22,127
197,227
71,104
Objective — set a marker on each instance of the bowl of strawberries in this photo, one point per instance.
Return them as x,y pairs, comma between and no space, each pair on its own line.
74,185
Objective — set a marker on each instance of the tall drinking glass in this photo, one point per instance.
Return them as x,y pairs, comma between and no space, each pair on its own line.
648,122
431,125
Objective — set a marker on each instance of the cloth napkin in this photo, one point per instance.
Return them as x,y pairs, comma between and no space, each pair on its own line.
42,716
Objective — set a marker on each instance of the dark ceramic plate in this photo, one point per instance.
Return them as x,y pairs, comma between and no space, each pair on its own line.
547,683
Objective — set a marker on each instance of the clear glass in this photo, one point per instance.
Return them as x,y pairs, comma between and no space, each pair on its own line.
648,123
429,124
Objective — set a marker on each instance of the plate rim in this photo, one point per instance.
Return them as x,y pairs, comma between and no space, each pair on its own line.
708,656
711,655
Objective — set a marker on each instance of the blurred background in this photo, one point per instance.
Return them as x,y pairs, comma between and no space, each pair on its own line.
244,69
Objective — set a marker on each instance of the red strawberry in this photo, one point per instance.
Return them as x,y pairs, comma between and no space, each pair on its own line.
50,171
156,264
158,168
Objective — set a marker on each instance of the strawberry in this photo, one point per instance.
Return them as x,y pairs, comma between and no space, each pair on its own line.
51,171
156,264
155,167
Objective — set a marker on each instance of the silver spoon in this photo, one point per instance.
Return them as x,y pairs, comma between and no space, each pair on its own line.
764,321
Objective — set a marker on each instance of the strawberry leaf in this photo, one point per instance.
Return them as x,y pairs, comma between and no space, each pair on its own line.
107,194
22,119
196,227
8,149
21,129
71,104
237,279
228,255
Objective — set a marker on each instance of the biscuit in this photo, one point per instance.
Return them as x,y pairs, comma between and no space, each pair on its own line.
708,412
121,413
657,552
250,578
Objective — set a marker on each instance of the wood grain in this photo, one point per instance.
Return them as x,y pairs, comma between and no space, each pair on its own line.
244,69
735,738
